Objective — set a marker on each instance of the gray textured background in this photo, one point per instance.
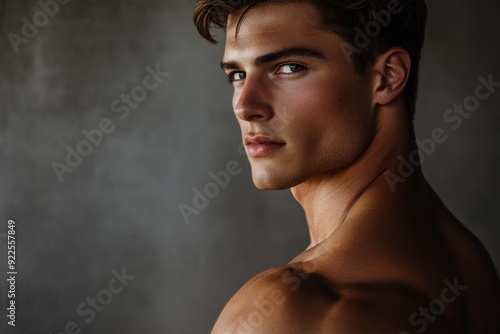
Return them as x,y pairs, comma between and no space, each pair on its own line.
119,207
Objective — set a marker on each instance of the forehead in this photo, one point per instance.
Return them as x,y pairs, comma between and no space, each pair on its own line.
273,26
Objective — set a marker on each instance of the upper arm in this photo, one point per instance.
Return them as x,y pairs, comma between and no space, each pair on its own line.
383,312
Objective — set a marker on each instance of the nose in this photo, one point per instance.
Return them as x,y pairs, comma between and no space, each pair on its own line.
251,101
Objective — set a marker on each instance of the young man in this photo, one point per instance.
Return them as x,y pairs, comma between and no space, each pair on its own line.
324,92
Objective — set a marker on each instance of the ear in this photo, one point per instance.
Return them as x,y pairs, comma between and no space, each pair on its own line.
392,70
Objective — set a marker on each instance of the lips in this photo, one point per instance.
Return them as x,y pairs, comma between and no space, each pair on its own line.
260,146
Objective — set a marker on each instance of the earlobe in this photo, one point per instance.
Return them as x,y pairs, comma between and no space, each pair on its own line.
392,72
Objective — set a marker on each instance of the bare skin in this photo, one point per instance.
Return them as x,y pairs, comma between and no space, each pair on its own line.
380,261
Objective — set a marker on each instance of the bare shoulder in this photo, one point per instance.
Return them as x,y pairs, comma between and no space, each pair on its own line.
290,300
478,272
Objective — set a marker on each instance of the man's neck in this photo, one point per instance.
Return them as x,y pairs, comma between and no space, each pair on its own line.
329,199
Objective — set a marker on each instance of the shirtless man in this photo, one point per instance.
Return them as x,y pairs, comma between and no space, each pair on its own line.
329,115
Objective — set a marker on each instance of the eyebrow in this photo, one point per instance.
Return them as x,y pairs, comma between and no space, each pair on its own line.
277,55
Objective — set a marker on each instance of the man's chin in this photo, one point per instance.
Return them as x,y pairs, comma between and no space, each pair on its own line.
272,182
268,187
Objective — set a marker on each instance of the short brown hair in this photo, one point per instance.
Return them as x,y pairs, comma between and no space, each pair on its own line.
400,23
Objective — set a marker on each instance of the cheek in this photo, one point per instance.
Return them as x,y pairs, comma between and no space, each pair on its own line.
234,102
331,119
322,104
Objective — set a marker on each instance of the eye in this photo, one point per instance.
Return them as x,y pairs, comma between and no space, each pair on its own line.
290,68
236,76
